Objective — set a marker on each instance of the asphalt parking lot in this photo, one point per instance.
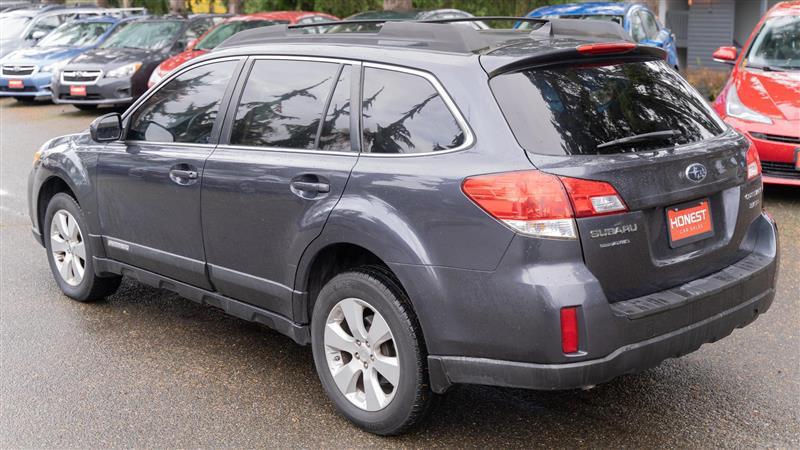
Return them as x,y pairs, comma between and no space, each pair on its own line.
148,369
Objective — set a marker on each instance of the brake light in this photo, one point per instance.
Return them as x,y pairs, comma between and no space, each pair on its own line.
593,198
569,329
606,48
531,202
540,204
753,162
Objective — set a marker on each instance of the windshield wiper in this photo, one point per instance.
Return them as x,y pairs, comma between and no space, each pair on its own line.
655,135
767,68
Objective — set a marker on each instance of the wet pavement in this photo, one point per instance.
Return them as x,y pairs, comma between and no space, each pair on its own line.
146,368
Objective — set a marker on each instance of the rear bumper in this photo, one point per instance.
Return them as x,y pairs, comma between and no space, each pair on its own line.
448,370
616,338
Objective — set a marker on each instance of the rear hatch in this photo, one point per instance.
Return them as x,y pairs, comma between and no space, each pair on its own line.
639,126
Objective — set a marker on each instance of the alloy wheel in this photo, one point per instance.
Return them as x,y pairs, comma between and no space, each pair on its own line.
361,354
67,247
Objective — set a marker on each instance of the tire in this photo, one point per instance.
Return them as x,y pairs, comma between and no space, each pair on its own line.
85,107
407,401
69,250
23,99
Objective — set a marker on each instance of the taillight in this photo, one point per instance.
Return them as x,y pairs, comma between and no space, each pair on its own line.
540,204
606,48
569,329
753,162
593,198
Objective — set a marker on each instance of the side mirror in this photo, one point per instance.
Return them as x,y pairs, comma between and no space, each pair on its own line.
106,128
191,44
38,34
725,55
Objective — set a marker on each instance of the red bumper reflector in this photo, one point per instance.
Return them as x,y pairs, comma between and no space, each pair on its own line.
569,329
606,48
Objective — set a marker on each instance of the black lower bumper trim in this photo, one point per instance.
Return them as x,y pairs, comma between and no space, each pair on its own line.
447,370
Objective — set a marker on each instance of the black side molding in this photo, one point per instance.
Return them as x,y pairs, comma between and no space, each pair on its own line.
298,333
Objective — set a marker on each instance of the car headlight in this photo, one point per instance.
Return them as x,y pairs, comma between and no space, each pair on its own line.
156,76
735,108
55,67
124,71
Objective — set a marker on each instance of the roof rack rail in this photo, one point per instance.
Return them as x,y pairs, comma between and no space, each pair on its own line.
429,33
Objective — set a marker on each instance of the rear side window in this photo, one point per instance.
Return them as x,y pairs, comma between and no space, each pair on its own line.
403,113
283,103
582,110
335,133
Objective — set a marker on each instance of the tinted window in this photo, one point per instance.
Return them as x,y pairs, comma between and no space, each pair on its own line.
184,109
574,109
282,103
335,135
403,113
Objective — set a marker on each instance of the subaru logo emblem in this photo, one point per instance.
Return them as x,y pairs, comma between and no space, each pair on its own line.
696,172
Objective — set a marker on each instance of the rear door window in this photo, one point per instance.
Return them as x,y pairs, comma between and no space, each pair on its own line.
580,110
404,113
335,132
283,103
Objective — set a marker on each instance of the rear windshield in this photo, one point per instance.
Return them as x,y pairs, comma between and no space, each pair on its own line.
587,110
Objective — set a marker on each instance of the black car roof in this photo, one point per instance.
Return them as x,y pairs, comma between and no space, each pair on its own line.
498,49
434,35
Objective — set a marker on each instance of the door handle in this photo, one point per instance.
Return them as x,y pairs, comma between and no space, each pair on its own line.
188,174
309,186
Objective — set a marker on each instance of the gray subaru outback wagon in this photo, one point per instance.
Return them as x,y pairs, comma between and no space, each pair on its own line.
426,204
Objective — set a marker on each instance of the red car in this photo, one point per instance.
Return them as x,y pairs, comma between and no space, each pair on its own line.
762,96
231,26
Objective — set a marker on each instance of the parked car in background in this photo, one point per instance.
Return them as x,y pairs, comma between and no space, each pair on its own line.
425,205
20,28
231,26
637,19
762,96
27,74
414,14
116,72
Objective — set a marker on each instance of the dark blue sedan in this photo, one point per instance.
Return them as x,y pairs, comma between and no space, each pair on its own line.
637,19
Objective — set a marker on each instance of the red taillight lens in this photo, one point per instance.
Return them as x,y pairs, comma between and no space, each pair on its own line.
541,204
531,202
753,162
593,198
606,48
569,329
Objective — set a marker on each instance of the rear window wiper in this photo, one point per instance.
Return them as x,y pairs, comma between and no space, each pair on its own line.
655,135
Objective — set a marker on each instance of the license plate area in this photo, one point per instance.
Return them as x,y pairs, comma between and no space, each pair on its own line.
77,91
16,84
689,222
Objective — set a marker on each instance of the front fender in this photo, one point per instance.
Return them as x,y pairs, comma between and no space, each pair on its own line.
71,159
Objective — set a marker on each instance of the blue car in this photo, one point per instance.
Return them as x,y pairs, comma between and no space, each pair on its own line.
637,20
26,73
